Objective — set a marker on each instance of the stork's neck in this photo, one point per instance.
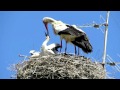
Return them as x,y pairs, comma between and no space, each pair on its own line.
45,42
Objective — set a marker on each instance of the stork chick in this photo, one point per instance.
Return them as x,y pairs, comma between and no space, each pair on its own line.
34,54
49,49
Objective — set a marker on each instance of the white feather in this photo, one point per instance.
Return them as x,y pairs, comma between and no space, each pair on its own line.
48,49
77,28
34,53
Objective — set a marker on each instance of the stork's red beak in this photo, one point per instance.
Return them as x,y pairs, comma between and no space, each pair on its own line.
46,26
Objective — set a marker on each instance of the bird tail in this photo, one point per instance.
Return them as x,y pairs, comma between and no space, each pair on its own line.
83,44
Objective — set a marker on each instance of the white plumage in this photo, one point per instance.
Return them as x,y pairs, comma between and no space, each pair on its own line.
49,49
77,28
70,33
57,25
34,54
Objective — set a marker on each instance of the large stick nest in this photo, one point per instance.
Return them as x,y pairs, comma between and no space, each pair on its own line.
59,67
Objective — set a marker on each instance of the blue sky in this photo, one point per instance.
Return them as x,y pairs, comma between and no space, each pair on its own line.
21,31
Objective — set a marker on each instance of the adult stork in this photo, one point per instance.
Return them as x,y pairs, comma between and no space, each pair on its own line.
49,49
70,33
57,26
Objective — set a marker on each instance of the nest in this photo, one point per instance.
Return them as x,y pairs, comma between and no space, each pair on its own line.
59,66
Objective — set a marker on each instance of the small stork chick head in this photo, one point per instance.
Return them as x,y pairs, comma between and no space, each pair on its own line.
47,36
47,20
32,51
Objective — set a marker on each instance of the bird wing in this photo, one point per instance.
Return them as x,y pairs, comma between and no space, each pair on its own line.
81,40
83,43
57,46
54,46
76,27
71,31
35,55
51,46
49,51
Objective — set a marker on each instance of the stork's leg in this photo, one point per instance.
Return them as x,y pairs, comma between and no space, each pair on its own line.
66,47
61,46
75,50
78,51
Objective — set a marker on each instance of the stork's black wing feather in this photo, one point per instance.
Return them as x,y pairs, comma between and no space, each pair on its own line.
83,43
66,31
81,40
71,31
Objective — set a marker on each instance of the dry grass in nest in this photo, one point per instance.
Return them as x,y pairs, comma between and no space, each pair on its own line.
59,66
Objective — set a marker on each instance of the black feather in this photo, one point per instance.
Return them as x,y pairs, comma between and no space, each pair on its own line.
57,46
83,43
31,53
71,31
81,39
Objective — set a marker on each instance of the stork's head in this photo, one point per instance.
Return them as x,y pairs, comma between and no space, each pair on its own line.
47,20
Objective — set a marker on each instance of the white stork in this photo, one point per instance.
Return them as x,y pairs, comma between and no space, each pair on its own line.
70,33
49,49
34,54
